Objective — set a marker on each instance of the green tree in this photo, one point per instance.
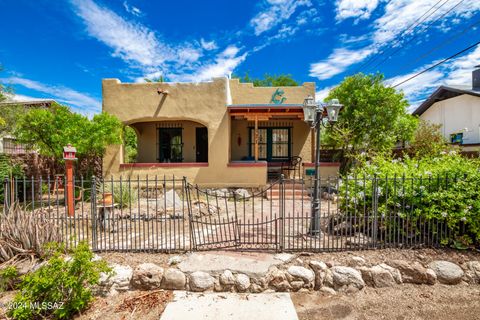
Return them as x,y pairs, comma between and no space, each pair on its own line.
157,79
49,130
428,140
281,80
130,141
374,117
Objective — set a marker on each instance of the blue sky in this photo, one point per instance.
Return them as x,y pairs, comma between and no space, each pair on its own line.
62,49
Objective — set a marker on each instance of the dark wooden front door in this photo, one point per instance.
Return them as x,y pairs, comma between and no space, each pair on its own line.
201,144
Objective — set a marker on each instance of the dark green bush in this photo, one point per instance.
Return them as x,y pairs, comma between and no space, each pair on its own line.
433,197
8,277
60,288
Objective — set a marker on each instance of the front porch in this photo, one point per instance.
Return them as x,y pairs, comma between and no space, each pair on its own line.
275,135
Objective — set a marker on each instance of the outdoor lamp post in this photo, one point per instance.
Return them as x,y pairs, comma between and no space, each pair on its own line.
314,113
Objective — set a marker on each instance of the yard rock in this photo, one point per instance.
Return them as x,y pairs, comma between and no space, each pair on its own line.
381,276
305,274
296,285
472,273
240,193
201,281
447,272
174,260
242,282
118,281
227,278
356,262
202,208
147,276
278,280
413,273
174,279
221,192
328,290
284,257
319,268
346,277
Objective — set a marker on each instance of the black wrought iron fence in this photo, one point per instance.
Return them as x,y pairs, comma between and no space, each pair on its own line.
170,214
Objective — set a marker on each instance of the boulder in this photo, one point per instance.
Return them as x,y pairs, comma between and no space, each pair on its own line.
227,278
305,274
447,272
118,281
201,281
221,192
296,285
241,193
356,262
414,272
277,280
472,272
174,279
328,290
319,268
284,257
242,282
174,260
346,277
147,276
328,279
255,288
380,276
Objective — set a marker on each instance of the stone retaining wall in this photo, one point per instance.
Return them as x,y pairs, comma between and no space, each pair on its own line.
293,274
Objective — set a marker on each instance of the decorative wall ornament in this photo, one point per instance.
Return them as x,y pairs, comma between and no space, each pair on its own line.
277,97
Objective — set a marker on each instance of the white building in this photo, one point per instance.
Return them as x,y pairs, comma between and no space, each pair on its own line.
457,109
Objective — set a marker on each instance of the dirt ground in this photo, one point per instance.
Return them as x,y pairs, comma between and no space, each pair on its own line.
406,302
372,257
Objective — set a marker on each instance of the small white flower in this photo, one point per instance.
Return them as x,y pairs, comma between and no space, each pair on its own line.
444,214
453,152
398,205
407,207
443,152
469,207
394,161
463,219
422,188
428,173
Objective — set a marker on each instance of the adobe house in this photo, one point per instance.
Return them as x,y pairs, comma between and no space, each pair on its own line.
218,133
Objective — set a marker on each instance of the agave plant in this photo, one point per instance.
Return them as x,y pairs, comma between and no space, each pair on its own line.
25,233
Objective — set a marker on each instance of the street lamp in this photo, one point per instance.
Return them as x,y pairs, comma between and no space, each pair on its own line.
314,113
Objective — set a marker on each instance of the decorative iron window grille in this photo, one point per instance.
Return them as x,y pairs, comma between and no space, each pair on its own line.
169,143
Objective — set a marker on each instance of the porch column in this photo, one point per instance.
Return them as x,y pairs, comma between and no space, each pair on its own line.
256,138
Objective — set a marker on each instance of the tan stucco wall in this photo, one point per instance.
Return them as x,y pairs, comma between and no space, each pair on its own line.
140,105
456,114
246,93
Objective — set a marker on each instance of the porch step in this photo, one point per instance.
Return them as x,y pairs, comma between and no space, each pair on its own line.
290,191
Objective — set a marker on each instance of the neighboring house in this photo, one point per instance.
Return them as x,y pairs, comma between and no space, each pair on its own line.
206,131
8,144
457,109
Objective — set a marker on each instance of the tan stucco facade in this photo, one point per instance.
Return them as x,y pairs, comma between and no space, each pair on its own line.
145,106
460,114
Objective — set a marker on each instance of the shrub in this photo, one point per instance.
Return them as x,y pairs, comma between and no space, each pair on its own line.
435,197
60,288
25,233
8,277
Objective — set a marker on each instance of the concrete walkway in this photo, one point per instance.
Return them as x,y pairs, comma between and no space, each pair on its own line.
230,306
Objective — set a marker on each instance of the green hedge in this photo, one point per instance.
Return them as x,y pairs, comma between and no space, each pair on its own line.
429,198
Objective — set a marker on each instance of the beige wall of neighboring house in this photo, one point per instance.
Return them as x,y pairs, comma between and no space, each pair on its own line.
458,114
146,106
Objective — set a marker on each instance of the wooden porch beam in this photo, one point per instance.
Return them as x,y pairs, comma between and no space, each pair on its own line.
256,138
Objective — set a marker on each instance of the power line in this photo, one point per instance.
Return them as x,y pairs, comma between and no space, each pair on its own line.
445,42
437,64
404,32
415,36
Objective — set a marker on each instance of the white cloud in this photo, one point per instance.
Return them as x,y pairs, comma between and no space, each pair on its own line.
454,72
223,65
80,101
208,45
337,62
358,9
321,94
130,41
274,13
131,9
